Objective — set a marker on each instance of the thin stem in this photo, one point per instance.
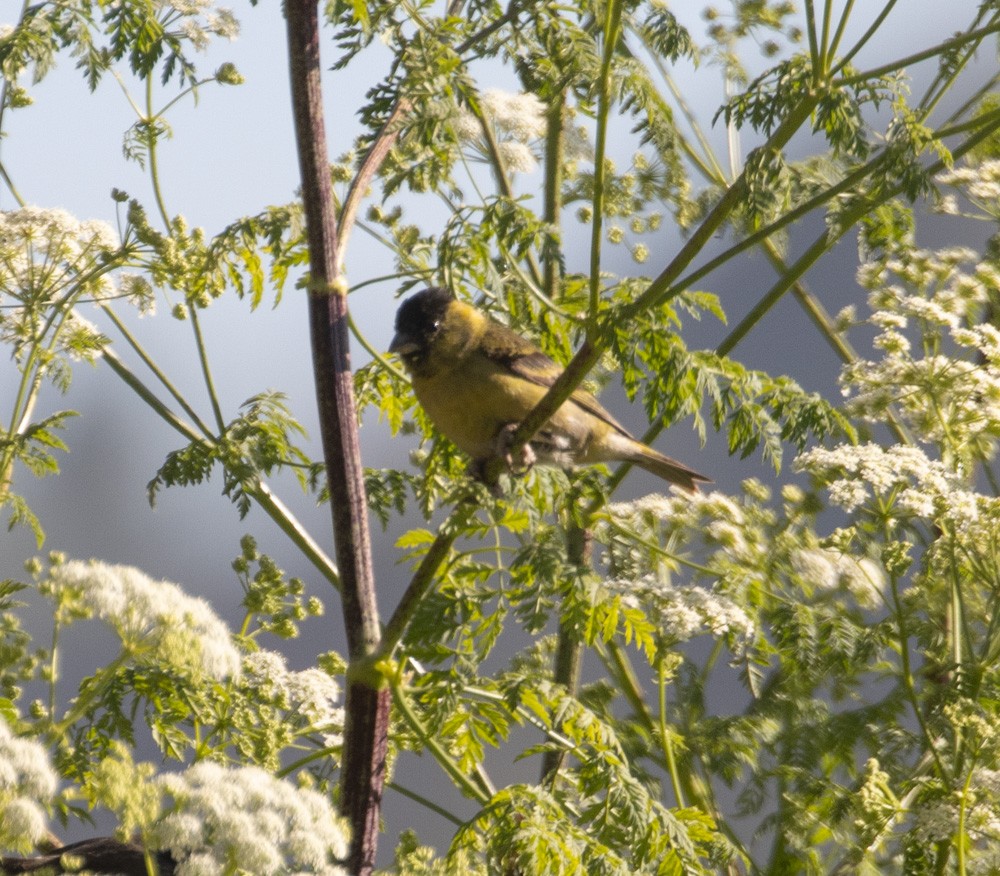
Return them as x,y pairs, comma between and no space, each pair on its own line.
260,491
917,57
838,35
555,141
206,369
151,143
424,577
472,789
612,31
666,737
148,361
824,49
814,46
907,671
426,802
865,37
375,354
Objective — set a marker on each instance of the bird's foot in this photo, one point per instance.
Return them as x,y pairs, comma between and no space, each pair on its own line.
502,447
488,469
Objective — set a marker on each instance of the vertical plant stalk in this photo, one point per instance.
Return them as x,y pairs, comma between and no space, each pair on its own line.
368,698
569,651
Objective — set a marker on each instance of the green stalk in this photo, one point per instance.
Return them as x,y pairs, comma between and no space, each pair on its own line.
612,32
261,492
206,370
148,361
426,802
917,57
424,577
865,37
839,33
480,794
666,742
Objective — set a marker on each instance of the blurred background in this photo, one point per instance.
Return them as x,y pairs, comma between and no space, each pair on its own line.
231,154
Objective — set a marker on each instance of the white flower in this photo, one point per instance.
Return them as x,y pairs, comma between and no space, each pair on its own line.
853,473
522,116
311,693
684,611
27,783
517,157
246,820
827,570
138,291
177,629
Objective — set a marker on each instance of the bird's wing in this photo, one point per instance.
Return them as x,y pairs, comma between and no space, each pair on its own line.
522,358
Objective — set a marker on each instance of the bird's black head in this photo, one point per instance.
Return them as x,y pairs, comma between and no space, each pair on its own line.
418,320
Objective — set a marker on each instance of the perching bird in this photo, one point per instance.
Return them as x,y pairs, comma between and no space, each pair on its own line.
477,380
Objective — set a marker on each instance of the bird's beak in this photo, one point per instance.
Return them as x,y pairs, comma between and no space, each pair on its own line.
402,344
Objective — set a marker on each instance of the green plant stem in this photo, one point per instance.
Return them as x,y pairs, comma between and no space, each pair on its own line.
887,7
147,118
260,491
502,177
85,700
10,183
815,56
663,287
424,577
471,789
569,649
426,802
907,671
961,840
824,43
206,369
148,361
838,35
947,75
289,524
555,141
917,57
666,739
612,33
375,354
620,668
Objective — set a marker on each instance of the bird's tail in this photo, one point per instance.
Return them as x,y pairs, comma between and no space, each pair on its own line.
662,466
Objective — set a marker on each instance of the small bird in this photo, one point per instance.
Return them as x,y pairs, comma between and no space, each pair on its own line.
477,380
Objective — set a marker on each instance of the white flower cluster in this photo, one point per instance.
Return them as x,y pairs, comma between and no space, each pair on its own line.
518,121
938,820
905,475
720,520
519,125
828,570
980,182
49,261
27,781
921,300
47,251
247,821
310,694
157,617
682,612
200,21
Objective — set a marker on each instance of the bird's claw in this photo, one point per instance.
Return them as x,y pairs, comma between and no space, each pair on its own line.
502,446
489,469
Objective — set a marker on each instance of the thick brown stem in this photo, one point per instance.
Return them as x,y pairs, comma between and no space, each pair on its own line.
367,705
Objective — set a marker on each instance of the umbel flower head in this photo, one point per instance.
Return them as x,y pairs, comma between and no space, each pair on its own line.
26,780
156,620
247,821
